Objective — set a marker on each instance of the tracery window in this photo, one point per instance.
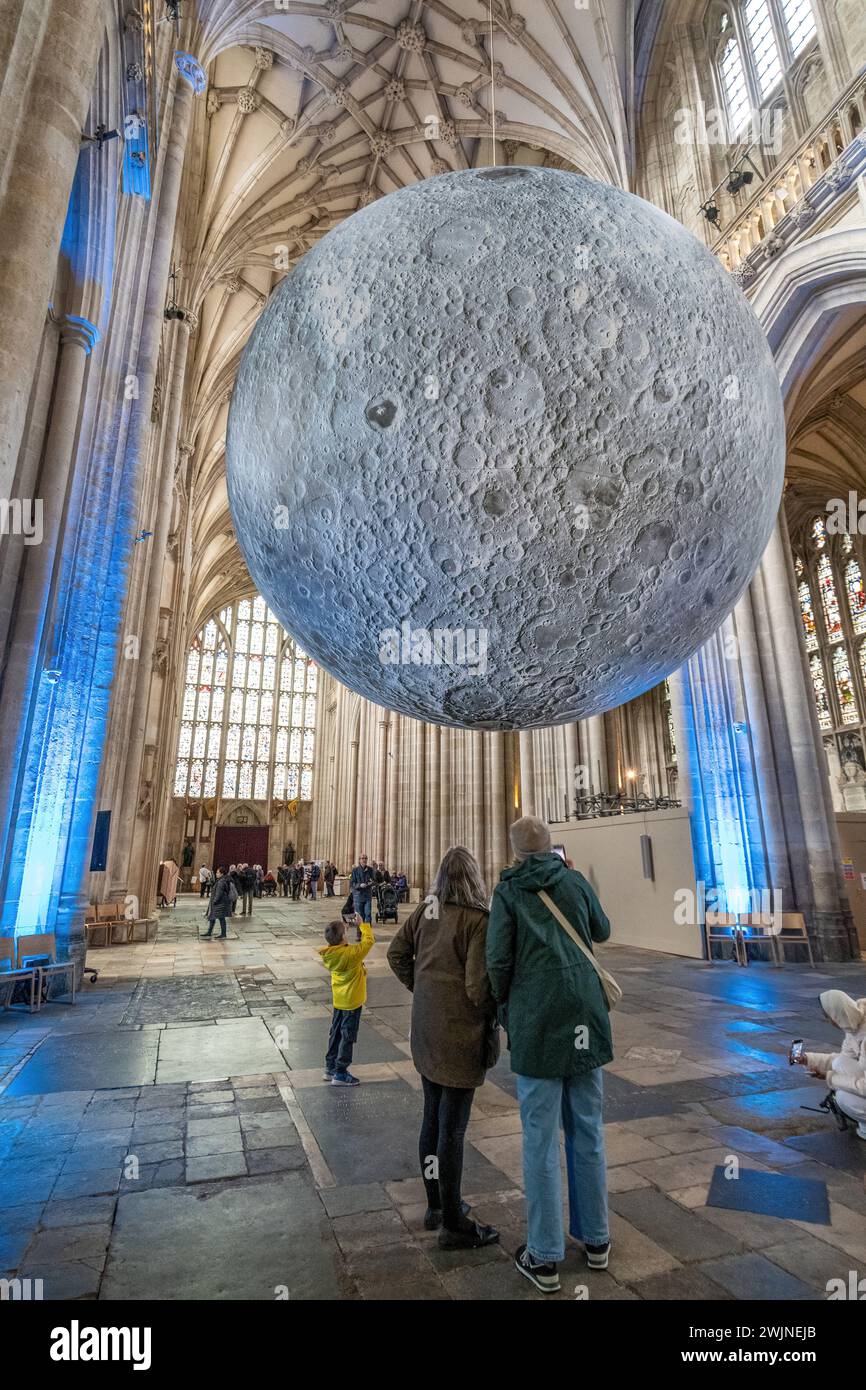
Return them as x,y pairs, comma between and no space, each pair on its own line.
756,43
829,572
248,716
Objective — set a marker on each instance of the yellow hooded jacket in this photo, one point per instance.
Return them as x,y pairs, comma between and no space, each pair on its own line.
348,971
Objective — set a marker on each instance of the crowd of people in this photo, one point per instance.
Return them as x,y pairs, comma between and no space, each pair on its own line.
298,880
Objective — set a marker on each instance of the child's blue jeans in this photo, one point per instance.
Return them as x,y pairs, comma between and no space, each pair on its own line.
342,1039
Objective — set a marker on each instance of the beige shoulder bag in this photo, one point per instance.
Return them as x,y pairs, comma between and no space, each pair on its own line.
612,991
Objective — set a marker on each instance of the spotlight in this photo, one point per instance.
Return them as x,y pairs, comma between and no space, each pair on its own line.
739,178
173,310
100,137
711,213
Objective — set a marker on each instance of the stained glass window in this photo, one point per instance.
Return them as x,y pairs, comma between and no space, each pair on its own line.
845,687
799,22
822,702
856,596
829,601
808,617
765,50
819,533
734,82
236,738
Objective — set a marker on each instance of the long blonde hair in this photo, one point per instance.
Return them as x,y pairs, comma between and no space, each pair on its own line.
459,880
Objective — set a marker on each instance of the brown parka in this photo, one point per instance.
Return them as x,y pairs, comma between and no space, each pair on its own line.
440,958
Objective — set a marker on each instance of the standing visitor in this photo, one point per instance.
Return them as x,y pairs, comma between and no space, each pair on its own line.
349,993
315,873
205,878
222,903
556,1015
330,875
248,883
454,1035
259,878
361,884
283,880
297,879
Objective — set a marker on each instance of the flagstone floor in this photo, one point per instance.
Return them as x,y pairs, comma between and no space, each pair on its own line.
171,1135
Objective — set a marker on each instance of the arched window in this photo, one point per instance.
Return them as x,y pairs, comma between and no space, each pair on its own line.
249,710
856,596
825,719
799,20
756,42
762,40
734,84
829,601
808,613
844,687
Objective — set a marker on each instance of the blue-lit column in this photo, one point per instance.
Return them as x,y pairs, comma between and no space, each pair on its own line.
33,741
749,757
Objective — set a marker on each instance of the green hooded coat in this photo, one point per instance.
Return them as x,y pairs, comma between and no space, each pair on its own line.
551,1001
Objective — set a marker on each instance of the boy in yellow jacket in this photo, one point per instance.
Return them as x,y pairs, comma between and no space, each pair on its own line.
349,991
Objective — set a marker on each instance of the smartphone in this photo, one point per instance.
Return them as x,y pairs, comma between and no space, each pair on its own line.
795,1051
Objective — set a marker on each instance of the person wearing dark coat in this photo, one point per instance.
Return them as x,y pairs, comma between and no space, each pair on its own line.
439,955
283,876
221,903
297,879
248,886
555,1012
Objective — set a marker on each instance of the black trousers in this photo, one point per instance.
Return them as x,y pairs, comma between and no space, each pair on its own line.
440,1148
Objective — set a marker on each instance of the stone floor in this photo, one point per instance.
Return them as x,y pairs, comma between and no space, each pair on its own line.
171,1136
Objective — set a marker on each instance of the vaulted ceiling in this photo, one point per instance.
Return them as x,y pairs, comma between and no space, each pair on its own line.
314,110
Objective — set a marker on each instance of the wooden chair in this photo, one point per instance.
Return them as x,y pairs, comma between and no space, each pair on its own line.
10,977
762,931
45,944
148,923
94,929
793,933
724,927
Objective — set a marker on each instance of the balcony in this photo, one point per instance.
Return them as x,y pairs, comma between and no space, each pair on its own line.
799,189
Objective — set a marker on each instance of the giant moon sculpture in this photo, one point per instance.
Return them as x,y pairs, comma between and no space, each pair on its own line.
519,409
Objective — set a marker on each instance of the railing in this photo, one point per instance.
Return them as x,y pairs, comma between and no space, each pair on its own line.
789,183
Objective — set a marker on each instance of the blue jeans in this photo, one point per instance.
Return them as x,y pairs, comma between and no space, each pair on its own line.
362,901
341,1040
575,1103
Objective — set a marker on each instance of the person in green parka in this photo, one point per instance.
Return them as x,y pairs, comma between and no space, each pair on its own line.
554,1010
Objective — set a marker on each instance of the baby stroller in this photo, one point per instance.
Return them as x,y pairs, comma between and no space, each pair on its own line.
387,903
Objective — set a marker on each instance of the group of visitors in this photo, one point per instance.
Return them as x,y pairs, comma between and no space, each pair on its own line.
525,962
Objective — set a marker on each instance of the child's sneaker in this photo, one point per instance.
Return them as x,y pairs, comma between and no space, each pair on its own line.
544,1277
597,1256
344,1078
327,1075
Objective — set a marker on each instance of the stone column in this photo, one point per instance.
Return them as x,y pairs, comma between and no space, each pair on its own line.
395,752
382,787
174,455
29,652
527,774
750,762
431,800
52,82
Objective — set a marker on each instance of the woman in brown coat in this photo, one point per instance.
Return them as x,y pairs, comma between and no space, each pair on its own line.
439,955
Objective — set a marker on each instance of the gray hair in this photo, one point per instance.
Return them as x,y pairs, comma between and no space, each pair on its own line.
459,880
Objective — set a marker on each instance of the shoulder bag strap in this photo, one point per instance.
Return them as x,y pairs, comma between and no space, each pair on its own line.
612,991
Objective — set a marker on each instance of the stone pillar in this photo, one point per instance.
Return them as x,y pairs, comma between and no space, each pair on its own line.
51,84
395,752
527,774
417,807
431,800
750,761
382,787
174,455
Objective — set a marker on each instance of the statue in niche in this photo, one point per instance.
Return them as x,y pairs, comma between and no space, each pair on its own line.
834,772
188,851
853,787
145,801
289,854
